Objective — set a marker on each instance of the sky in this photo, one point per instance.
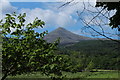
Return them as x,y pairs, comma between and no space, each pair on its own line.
56,16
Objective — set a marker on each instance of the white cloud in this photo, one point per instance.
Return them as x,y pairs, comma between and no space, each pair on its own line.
61,18
7,7
50,0
35,0
49,16
55,19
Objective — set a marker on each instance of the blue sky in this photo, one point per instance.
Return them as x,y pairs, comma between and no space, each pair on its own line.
55,17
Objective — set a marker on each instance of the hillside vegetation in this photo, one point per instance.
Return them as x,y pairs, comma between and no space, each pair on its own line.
93,54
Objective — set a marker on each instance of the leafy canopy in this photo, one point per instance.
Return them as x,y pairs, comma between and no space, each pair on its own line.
25,50
115,19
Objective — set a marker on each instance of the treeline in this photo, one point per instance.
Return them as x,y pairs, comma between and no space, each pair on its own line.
92,54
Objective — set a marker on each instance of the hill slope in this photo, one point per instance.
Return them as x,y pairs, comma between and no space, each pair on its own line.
65,36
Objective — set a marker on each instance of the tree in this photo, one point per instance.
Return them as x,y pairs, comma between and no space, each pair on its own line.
96,18
90,66
25,50
115,19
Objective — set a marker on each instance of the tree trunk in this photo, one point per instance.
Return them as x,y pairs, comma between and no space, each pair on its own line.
4,77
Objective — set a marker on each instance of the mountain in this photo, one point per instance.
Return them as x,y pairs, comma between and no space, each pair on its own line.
65,36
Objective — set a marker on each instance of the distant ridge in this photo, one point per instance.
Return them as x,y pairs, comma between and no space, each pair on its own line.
65,36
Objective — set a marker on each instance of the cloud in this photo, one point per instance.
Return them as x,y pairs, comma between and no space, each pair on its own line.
50,0
51,18
35,0
7,7
57,18
90,14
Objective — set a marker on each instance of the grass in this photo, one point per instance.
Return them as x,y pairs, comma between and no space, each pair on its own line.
30,75
101,74
104,75
111,74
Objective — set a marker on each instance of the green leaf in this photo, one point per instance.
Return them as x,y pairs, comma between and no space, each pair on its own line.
26,50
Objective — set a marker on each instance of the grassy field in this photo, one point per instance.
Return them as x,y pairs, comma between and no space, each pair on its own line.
104,75
100,74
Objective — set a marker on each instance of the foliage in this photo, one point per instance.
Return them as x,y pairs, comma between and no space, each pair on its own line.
93,54
90,66
25,50
115,19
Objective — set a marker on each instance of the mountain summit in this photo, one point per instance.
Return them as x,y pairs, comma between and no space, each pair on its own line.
65,36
